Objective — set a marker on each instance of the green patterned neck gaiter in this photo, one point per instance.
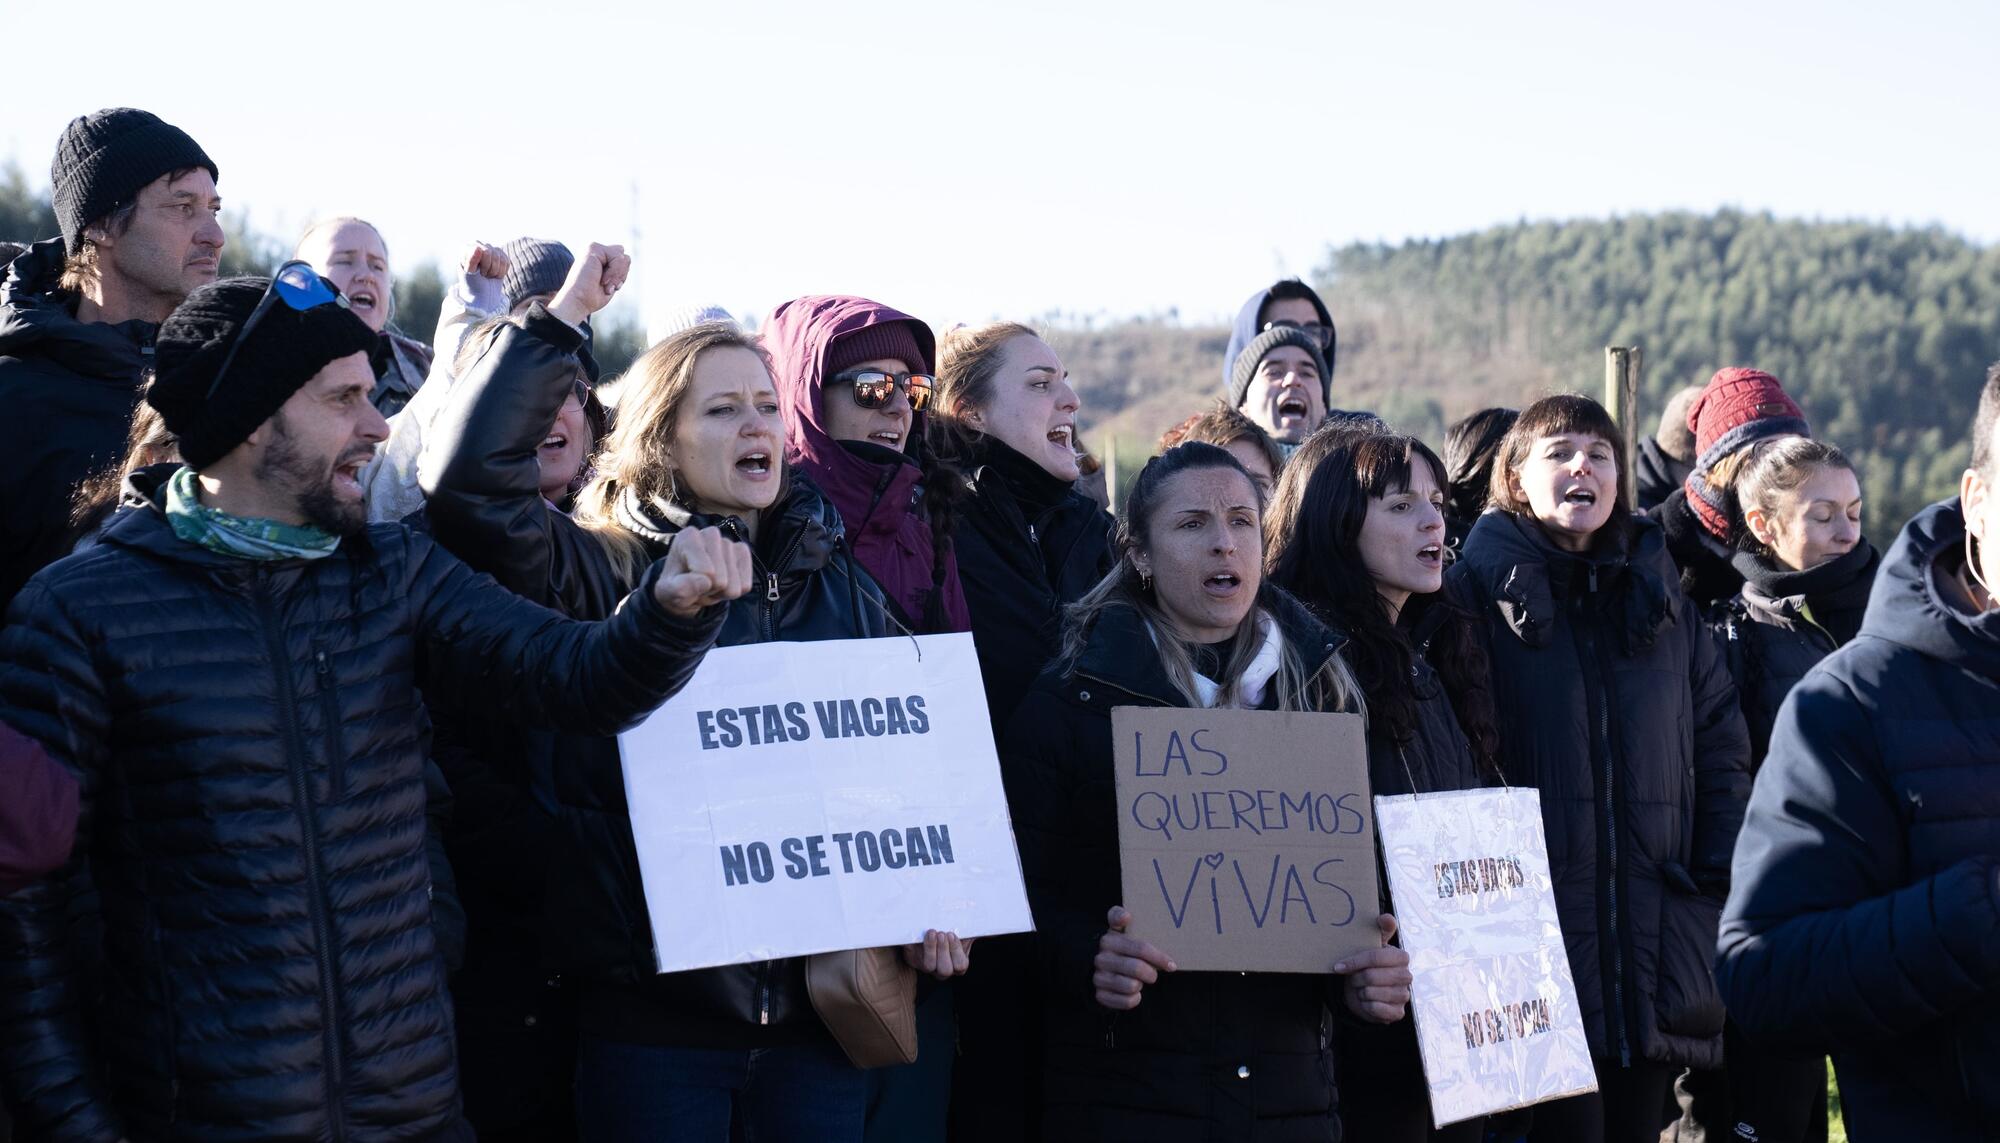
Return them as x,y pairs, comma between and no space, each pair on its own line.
245,537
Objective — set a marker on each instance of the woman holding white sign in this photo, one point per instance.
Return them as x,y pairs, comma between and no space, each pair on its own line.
1613,700
699,443
1135,1051
1357,533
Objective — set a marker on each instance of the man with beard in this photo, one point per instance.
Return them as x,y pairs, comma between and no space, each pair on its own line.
137,203
231,674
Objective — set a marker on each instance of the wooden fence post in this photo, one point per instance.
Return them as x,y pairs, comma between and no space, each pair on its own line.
1623,366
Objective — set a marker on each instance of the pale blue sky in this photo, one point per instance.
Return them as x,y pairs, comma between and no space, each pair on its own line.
1014,159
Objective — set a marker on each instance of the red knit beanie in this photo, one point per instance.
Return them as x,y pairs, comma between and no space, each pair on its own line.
1738,408
888,339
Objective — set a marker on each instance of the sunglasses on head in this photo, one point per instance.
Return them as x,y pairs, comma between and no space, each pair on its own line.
295,284
873,388
1321,333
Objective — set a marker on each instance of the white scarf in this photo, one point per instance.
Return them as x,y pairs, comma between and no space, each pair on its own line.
1256,676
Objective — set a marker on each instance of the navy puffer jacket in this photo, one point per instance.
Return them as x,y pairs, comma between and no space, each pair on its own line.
251,746
1864,918
1614,701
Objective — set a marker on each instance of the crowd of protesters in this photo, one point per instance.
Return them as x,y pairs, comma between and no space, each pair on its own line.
318,639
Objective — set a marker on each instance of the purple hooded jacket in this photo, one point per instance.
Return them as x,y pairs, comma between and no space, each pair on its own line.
38,803
890,534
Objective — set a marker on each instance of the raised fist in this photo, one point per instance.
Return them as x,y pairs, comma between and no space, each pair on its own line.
595,276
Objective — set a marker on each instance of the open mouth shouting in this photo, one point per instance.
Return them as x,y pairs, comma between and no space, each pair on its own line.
1064,437
552,445
1293,407
1431,556
1580,497
364,302
1222,585
347,474
754,465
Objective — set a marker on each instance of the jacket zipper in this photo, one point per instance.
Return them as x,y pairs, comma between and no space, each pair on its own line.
1593,665
329,704
295,756
764,993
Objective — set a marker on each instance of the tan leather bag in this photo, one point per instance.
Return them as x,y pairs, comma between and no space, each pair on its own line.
868,999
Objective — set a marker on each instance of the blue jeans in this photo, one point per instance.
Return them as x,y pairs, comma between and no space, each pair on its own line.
642,1093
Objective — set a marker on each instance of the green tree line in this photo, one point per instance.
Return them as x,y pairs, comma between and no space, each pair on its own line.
1883,334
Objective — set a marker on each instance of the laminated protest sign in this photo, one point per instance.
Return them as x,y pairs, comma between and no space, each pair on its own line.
801,798
1497,1021
1245,837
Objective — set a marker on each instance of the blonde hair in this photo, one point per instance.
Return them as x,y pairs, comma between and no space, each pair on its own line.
637,458
968,363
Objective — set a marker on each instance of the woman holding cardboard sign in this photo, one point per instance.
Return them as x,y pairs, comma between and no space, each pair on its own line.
699,443
1183,620
1614,701
1357,533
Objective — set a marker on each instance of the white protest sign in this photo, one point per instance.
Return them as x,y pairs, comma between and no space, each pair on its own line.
800,798
1495,1007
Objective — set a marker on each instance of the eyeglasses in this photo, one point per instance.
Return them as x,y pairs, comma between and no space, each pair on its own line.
1320,333
298,286
873,387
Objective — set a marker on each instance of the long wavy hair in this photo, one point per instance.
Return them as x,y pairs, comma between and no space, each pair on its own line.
1313,550
1332,687
637,457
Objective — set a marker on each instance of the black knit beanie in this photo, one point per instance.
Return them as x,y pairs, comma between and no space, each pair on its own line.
1254,353
283,353
103,161
534,266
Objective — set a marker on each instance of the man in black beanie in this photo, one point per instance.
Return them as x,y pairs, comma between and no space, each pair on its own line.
137,204
231,673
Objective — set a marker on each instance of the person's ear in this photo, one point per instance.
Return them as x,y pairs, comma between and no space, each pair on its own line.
1515,492
1760,526
1141,564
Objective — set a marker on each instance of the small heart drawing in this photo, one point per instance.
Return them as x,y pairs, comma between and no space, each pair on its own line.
1214,860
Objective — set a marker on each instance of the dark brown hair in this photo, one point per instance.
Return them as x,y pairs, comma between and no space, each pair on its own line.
1551,417
1223,426
1312,546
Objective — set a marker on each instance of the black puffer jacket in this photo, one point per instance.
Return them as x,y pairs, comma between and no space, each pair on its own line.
68,387
1864,918
1612,698
1027,544
480,473
1204,1055
1782,623
251,746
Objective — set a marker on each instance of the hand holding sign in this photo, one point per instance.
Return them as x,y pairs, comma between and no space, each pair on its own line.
1378,981
592,281
703,568
940,955
1125,964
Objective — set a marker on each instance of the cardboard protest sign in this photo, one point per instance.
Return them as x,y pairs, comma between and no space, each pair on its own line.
1496,1014
799,798
1245,837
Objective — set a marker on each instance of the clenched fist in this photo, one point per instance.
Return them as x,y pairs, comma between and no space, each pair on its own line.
703,568
593,279
487,261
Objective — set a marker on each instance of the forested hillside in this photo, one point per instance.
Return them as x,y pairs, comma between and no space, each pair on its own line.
1882,334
